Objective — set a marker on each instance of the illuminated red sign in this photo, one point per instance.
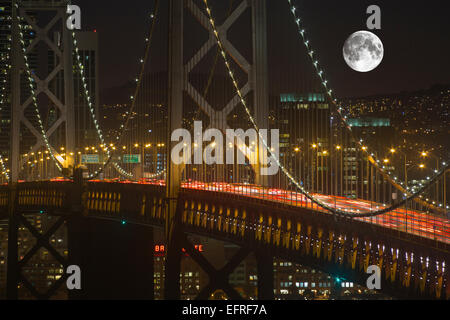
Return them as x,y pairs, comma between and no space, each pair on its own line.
198,247
160,249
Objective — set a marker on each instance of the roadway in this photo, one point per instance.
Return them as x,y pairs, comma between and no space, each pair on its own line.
415,222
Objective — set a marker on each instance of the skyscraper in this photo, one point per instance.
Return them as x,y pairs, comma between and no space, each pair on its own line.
305,130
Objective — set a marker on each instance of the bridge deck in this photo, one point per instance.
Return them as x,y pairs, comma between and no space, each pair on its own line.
422,224
414,222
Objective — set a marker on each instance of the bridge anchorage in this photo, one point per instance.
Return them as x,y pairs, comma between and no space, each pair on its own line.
333,205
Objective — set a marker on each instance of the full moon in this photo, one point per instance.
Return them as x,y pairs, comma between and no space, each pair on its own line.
363,51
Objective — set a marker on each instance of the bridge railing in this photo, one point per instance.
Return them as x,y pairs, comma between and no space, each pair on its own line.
144,202
126,201
35,196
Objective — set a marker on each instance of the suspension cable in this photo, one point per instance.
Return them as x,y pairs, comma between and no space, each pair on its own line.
339,110
275,157
123,127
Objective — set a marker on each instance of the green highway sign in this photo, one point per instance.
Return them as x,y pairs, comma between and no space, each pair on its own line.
131,158
90,159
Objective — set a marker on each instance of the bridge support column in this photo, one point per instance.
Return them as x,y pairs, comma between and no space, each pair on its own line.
76,243
265,276
76,228
260,74
12,275
173,222
173,263
43,79
16,62
69,98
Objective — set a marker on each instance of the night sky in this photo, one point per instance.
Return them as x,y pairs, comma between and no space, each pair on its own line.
415,35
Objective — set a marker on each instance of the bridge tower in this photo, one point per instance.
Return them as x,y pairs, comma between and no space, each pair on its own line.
52,33
179,83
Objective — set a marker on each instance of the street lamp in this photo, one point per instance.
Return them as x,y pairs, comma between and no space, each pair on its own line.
339,149
425,154
316,180
421,166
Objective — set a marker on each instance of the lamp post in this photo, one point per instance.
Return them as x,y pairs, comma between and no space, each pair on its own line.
315,177
425,154
338,149
421,166
392,151
141,154
323,154
445,195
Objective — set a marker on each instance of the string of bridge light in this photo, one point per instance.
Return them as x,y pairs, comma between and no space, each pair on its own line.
252,120
89,101
340,110
143,62
123,126
33,93
138,79
305,192
376,162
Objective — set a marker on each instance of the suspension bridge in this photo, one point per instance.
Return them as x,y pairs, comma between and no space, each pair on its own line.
337,203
